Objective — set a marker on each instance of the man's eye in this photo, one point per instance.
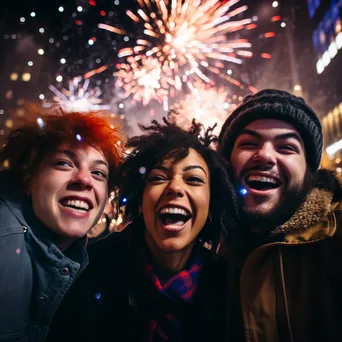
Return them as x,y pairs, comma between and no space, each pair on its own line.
100,174
288,148
247,144
63,163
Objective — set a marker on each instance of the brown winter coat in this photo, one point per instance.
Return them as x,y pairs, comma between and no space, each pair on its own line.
291,288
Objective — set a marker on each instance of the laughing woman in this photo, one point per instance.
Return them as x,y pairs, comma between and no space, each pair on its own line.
156,281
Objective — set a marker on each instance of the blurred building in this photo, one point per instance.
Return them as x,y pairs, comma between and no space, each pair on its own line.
326,36
45,45
25,71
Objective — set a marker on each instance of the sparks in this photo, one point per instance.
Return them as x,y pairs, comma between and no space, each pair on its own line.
142,78
208,106
78,97
189,41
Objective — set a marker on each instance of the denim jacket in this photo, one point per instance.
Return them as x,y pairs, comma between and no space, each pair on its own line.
34,273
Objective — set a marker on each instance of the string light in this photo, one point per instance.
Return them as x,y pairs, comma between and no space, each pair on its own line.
142,170
40,122
243,191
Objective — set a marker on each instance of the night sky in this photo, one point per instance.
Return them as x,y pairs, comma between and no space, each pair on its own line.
74,45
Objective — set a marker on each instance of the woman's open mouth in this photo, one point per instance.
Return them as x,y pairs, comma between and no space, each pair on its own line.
174,218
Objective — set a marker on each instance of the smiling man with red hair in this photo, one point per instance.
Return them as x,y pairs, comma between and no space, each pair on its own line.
61,167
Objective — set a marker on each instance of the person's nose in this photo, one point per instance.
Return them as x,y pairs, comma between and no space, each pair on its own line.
82,178
265,156
175,188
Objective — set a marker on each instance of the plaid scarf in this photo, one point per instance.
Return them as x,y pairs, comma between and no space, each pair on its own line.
179,288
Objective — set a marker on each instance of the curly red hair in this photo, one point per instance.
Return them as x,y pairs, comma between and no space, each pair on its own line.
28,145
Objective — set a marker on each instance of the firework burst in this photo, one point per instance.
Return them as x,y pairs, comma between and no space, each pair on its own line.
208,106
191,39
144,78
78,97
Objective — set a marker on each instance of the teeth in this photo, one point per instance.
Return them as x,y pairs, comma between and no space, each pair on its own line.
261,179
172,210
77,204
78,209
170,226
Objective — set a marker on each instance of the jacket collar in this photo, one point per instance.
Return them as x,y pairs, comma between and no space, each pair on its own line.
313,218
13,194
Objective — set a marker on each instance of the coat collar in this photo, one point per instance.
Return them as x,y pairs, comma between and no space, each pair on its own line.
313,218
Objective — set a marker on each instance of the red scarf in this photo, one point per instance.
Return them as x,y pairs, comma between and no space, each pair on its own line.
181,288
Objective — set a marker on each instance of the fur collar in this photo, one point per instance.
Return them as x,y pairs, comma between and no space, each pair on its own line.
318,203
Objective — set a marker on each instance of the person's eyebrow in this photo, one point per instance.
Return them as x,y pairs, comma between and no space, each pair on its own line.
250,132
101,162
74,156
191,167
291,135
159,167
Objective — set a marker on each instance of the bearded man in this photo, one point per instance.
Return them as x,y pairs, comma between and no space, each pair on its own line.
287,252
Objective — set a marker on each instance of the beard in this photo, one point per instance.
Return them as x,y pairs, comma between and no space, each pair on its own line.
262,224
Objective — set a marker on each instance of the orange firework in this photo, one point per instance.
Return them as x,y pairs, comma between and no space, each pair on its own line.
189,40
78,97
143,78
206,105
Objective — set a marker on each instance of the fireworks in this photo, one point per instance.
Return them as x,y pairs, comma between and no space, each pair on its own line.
188,40
208,106
142,77
78,97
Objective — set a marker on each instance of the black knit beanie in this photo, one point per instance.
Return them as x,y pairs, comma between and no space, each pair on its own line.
280,105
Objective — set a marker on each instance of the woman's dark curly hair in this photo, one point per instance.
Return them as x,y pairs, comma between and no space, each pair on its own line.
164,141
